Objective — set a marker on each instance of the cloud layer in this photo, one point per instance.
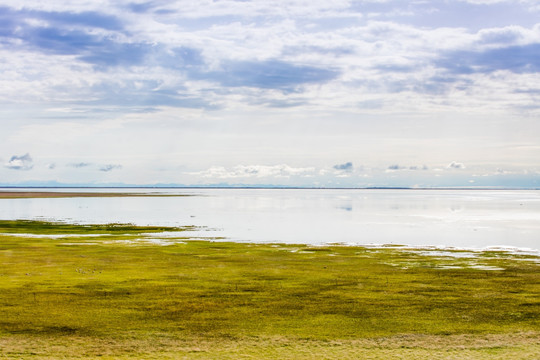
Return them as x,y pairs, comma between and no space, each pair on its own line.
190,92
167,55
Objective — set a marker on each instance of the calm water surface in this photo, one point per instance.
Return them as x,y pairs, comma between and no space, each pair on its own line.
453,218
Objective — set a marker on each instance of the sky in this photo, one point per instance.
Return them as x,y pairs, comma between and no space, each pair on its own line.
366,93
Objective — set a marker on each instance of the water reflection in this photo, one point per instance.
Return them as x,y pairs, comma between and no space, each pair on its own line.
346,207
469,218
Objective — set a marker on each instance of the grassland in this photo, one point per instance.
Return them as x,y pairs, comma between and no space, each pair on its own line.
122,291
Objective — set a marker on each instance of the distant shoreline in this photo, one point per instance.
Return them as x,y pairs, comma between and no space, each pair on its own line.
51,194
23,193
2,188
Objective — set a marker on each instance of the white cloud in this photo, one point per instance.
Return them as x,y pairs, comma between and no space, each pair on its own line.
396,167
455,165
22,162
254,171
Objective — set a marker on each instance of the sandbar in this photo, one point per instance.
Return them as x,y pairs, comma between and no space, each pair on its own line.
51,194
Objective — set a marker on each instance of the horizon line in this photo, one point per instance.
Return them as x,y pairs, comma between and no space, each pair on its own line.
269,187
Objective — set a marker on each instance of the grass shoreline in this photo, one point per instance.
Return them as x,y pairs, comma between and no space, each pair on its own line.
117,296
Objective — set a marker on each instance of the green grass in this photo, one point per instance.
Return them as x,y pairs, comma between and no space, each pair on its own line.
60,228
106,285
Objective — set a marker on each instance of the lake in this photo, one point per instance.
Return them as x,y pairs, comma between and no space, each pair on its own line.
442,218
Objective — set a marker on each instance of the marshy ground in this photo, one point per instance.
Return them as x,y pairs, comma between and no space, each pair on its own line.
122,291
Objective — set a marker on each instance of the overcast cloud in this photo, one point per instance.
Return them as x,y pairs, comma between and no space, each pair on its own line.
271,92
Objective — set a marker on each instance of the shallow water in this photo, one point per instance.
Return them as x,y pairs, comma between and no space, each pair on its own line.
447,218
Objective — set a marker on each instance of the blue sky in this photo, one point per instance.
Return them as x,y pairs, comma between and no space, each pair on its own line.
294,93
